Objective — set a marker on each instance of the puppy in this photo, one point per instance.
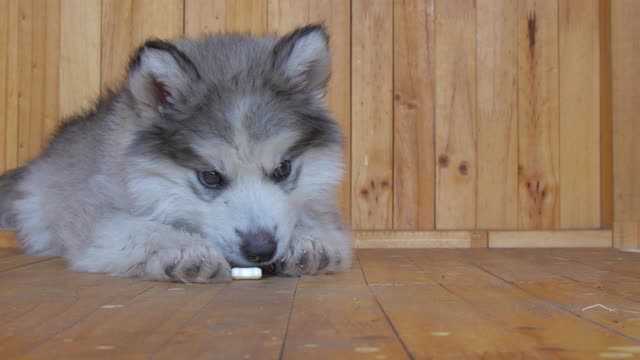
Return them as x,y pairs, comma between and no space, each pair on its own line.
215,152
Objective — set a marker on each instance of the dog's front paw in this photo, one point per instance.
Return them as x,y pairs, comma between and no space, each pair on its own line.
308,257
190,263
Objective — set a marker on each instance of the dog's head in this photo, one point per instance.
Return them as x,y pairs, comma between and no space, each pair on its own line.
231,138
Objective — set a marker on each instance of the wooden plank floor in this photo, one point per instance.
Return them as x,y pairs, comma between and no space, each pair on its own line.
394,304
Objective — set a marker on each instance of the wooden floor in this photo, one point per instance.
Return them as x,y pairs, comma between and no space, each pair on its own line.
394,304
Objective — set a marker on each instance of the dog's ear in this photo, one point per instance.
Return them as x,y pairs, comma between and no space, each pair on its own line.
161,76
304,58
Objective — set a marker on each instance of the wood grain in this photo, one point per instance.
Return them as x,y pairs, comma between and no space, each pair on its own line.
9,20
626,234
212,16
286,15
439,129
626,128
576,297
606,117
38,99
326,317
247,320
41,308
383,268
434,331
398,239
414,115
372,114
125,26
579,91
393,304
12,259
550,238
539,322
613,262
478,239
456,127
497,114
538,135
160,312
204,17
80,55
247,16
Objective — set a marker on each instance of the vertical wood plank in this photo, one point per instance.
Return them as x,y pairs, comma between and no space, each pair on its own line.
372,108
625,49
579,66
38,102
286,15
9,18
606,122
497,114
80,54
211,16
126,24
456,178
538,115
204,16
414,114
626,234
247,16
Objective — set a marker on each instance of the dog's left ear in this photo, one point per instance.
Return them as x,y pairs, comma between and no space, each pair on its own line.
304,58
161,77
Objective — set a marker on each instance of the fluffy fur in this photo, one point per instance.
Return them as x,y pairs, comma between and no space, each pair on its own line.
117,189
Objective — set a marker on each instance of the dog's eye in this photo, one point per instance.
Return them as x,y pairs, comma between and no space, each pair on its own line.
282,171
210,179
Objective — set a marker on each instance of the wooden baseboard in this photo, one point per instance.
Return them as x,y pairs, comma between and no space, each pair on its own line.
419,239
457,239
550,238
626,235
479,238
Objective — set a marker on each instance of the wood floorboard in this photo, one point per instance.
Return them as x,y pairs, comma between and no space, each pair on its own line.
586,300
339,320
13,258
245,320
552,267
552,330
625,263
393,304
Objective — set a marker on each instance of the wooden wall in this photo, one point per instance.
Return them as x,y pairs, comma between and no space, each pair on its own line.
459,114
625,45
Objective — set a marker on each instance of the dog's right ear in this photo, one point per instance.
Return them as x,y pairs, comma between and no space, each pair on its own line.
161,77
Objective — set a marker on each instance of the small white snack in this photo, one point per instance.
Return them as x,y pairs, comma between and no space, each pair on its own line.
252,273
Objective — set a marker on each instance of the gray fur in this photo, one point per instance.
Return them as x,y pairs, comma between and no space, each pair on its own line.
116,190
9,195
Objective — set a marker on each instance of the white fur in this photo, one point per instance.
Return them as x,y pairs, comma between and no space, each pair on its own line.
33,232
124,245
310,61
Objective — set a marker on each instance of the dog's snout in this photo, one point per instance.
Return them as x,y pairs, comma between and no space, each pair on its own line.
258,246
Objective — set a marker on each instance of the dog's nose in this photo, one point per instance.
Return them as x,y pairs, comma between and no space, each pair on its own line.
258,246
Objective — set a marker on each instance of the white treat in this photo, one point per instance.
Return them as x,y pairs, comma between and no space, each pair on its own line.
251,273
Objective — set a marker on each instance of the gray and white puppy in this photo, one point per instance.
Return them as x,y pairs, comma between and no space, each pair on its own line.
215,152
